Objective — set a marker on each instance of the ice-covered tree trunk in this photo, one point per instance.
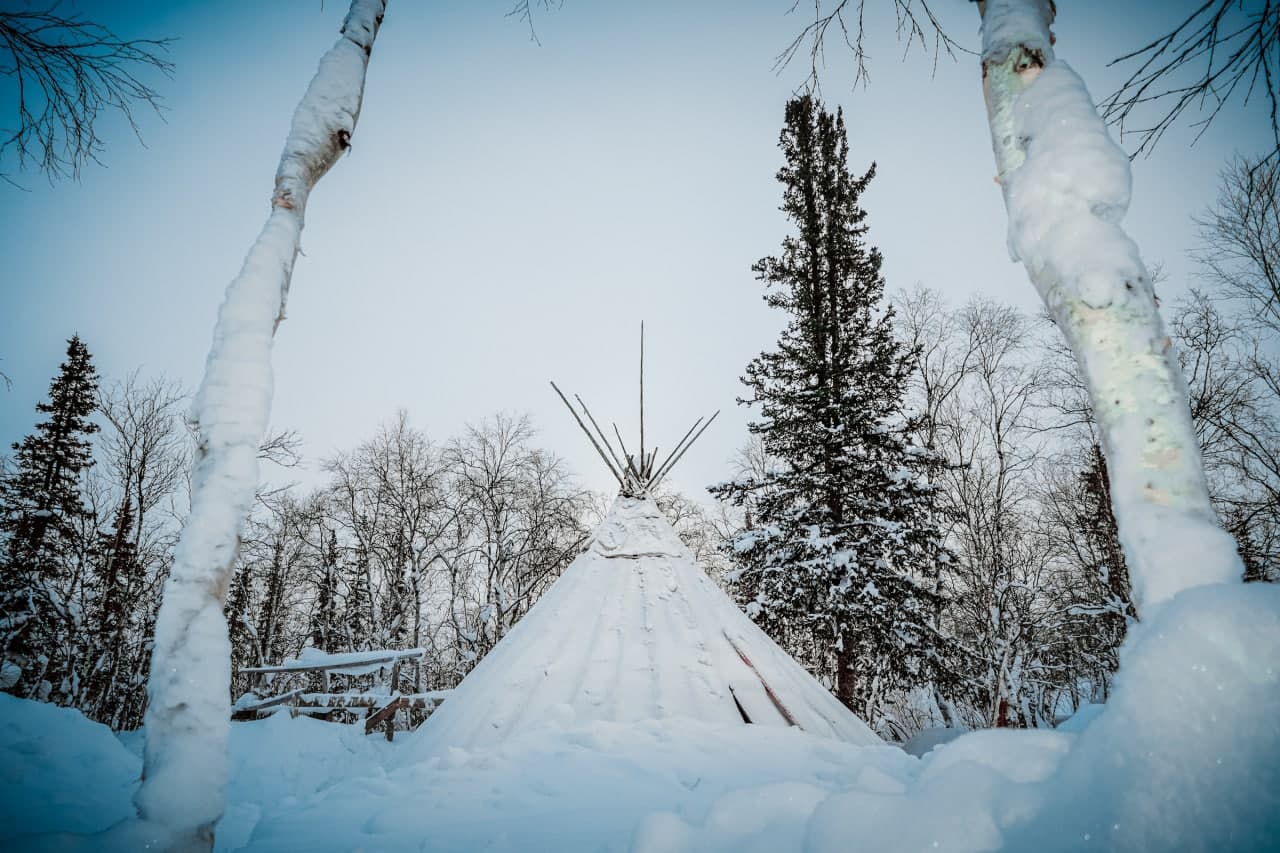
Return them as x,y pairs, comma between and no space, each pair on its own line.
1066,187
188,718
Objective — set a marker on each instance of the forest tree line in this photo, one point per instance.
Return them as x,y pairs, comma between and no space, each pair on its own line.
445,543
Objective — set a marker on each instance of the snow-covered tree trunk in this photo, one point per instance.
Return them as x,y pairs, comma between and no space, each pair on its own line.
1066,187
188,718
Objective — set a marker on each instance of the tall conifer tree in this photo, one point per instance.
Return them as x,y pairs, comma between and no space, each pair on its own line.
112,599
40,505
844,534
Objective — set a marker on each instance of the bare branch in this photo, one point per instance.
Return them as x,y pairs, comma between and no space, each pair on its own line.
523,11
1223,49
1240,240
284,449
916,23
67,72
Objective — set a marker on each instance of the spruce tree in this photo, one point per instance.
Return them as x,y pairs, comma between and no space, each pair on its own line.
113,601
240,627
326,631
40,506
845,523
357,614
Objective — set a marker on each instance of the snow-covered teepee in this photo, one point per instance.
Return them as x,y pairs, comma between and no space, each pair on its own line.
635,630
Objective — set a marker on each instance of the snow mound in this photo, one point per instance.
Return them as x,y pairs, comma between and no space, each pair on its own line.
63,778
60,772
1186,755
925,741
1183,757
594,786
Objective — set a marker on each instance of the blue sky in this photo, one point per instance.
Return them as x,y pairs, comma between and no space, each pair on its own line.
510,211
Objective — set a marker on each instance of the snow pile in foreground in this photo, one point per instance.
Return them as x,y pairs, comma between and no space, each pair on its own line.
60,772
593,785
1184,757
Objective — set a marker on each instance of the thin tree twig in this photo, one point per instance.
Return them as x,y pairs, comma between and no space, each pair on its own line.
67,72
916,23
523,11
1223,49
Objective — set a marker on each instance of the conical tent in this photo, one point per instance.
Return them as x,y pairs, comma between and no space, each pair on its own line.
635,630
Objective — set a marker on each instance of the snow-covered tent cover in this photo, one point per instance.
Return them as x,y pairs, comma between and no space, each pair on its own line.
635,630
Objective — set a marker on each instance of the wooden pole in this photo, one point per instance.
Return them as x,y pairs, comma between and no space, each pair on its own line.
671,464
631,460
599,432
642,393
679,444
586,431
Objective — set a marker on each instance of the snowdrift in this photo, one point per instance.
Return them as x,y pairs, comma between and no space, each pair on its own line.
1186,756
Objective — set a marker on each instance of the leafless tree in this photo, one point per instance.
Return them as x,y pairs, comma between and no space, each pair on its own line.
145,448
1230,336
523,517
1224,49
1036,598
389,500
1240,240
928,325
1235,403
69,71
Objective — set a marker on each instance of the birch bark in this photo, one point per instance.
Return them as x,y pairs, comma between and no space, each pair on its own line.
188,716
1066,186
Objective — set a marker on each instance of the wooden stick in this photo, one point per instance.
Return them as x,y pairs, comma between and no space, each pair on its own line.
658,479
607,463
768,691
671,457
385,715
282,699
631,461
642,393
679,444
599,431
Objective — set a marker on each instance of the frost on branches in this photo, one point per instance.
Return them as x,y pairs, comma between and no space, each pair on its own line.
839,559
1066,186
185,764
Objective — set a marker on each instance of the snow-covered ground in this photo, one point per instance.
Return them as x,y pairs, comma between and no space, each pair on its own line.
1185,757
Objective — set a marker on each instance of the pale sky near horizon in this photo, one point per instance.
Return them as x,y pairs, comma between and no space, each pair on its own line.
510,212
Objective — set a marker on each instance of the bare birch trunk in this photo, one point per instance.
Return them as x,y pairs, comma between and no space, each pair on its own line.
1066,186
188,716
